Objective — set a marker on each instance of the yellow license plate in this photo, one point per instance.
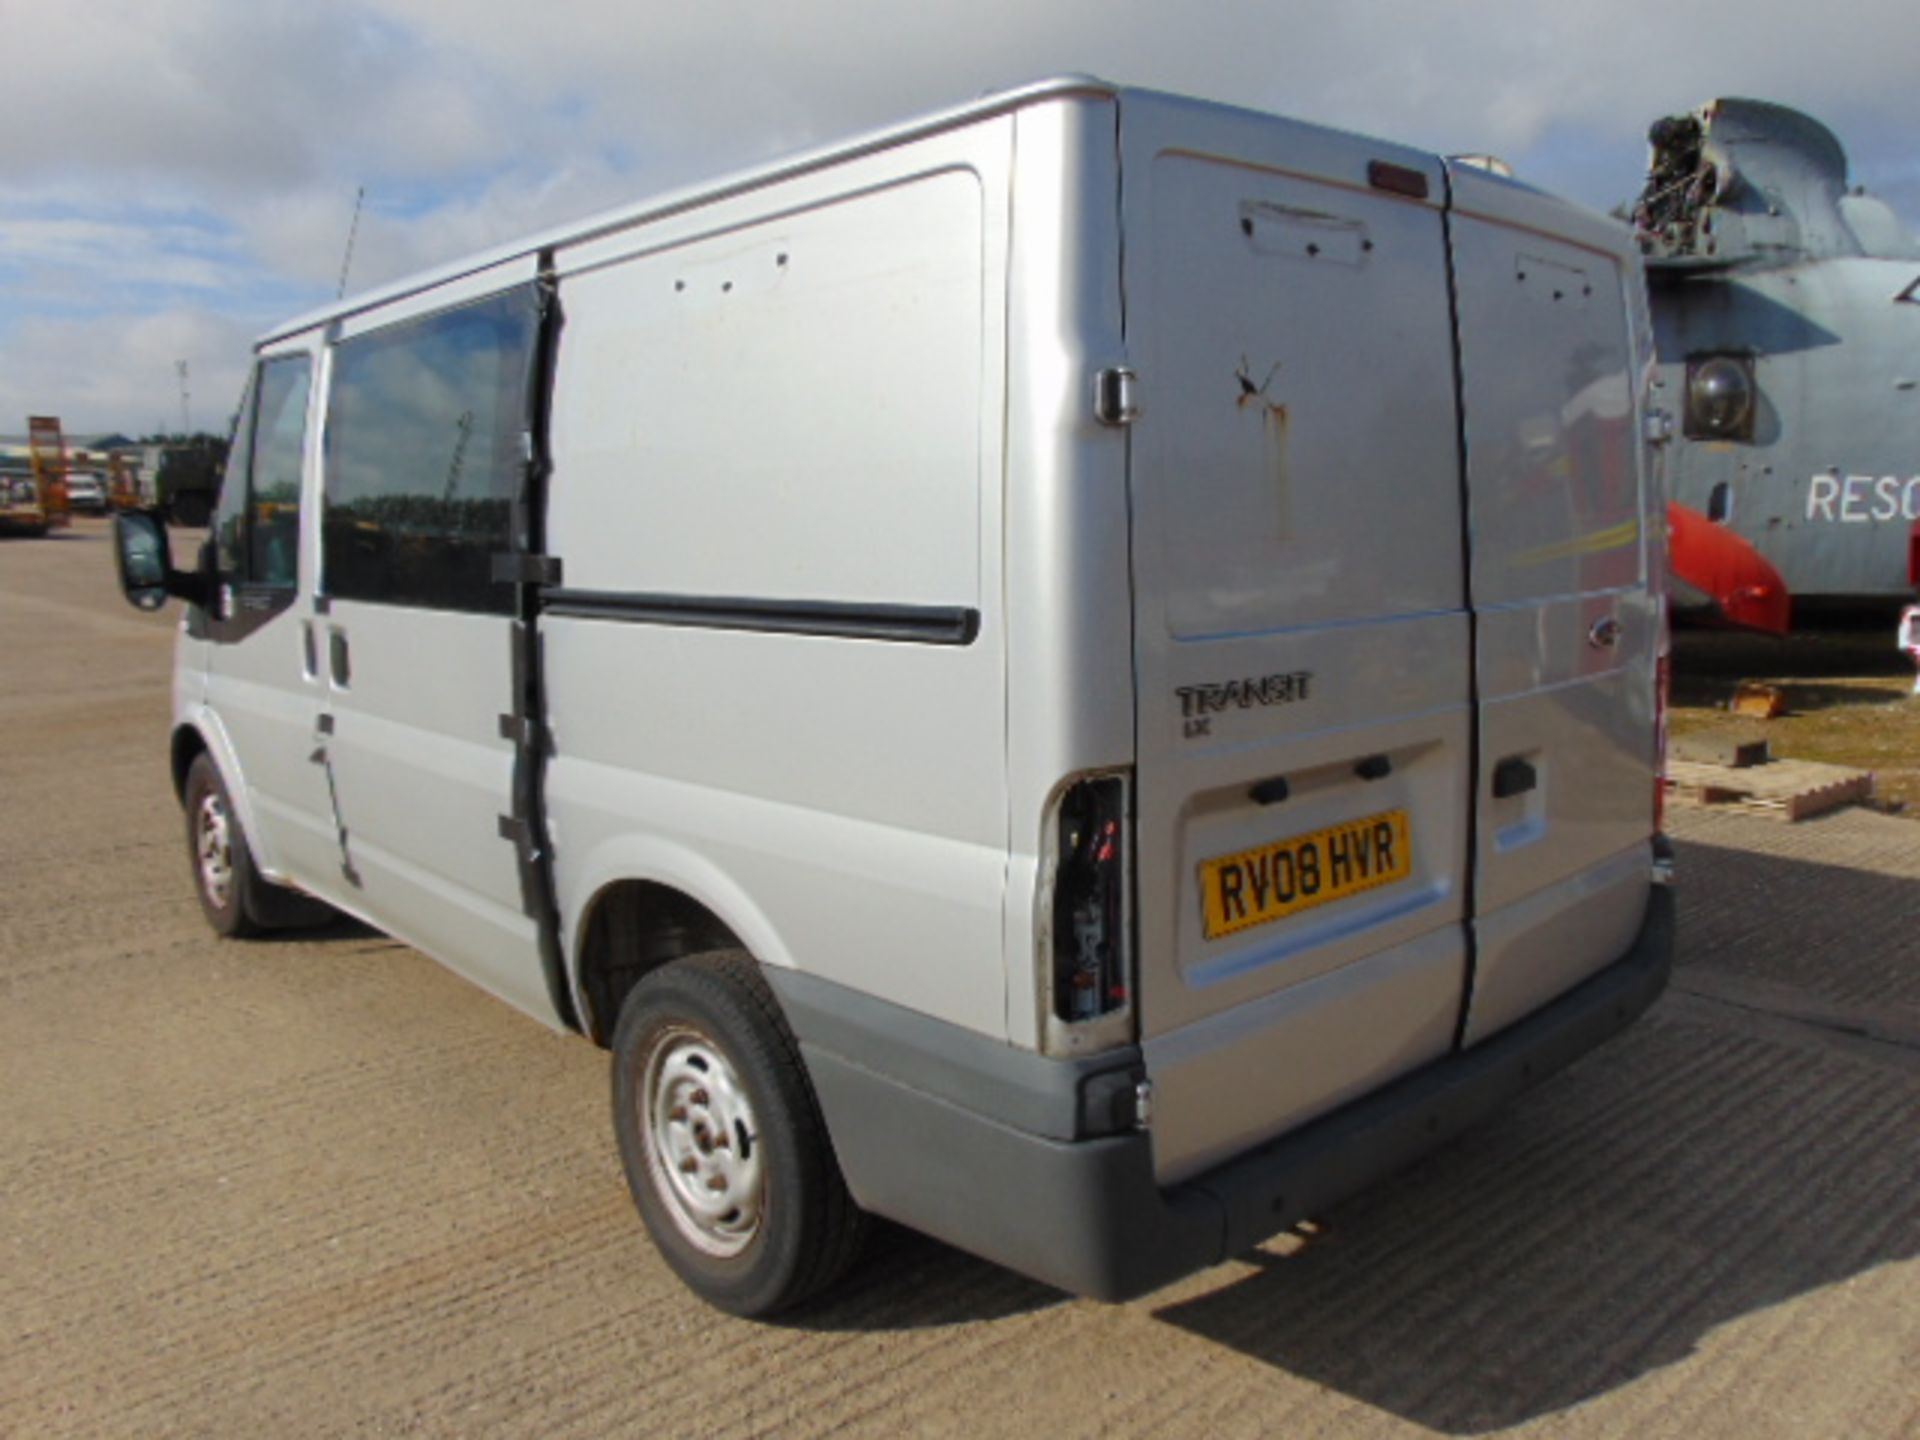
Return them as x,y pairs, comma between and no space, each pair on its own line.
1270,882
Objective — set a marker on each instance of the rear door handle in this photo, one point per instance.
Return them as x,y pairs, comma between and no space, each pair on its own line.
1513,776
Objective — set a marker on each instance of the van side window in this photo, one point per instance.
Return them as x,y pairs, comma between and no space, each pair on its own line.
257,525
424,456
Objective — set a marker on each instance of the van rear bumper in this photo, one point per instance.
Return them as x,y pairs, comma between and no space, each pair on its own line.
990,1149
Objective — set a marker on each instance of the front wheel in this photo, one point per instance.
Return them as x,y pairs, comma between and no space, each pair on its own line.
722,1140
235,899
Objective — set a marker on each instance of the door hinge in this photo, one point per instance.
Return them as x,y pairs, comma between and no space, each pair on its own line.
1659,427
1116,395
522,730
1143,1105
516,567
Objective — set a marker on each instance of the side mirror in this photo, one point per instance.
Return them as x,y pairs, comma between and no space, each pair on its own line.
147,576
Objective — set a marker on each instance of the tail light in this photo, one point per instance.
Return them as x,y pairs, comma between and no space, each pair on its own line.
1086,961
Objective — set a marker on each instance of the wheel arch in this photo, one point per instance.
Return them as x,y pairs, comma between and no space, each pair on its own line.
202,734
641,916
188,745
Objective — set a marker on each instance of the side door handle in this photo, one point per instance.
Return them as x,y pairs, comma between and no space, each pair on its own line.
339,664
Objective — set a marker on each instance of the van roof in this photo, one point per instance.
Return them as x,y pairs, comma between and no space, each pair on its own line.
690,197
672,201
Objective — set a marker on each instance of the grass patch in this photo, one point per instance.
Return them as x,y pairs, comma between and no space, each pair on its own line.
1849,702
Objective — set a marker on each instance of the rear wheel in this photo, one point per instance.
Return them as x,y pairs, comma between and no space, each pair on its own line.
722,1140
235,900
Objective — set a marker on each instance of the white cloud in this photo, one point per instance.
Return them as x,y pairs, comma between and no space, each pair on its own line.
75,256
115,373
728,76
304,234
242,94
472,121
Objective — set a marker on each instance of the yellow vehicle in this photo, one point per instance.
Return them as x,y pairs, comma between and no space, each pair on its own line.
123,484
36,500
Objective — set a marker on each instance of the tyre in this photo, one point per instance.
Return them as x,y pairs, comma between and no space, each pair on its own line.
722,1140
235,900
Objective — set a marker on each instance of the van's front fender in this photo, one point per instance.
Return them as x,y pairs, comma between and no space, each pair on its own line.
198,728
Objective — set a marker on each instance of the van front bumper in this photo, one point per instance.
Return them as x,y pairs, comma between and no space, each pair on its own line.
993,1150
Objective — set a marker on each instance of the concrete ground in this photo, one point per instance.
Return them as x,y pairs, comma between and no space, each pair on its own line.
318,1186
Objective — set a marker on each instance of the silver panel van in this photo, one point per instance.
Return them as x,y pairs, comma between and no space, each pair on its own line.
1083,674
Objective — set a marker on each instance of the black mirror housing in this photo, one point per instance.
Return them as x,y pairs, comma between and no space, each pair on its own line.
145,563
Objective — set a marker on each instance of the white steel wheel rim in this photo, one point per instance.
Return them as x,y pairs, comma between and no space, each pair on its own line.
213,849
702,1142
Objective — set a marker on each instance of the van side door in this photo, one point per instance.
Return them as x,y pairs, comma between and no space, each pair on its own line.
263,681
426,453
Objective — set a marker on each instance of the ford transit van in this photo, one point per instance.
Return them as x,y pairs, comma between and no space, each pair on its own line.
1082,674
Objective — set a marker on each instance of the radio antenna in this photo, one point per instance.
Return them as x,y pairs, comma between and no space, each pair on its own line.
353,231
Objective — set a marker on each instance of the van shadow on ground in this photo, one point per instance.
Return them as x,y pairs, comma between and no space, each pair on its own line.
1709,1164
1705,1166
904,1280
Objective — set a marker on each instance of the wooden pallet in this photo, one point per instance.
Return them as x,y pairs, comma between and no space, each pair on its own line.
1736,752
1782,789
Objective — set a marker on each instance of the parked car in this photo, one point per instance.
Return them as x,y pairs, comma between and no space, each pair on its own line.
87,492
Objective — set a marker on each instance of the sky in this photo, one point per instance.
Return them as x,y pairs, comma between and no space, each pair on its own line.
177,175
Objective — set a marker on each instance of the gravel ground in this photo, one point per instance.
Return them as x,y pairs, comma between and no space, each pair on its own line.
318,1186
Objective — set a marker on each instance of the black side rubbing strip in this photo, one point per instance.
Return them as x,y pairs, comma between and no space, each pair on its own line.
912,624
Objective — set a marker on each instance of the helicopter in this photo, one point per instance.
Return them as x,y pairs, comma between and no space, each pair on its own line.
1786,319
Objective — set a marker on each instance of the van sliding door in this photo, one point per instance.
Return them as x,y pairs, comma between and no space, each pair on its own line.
425,456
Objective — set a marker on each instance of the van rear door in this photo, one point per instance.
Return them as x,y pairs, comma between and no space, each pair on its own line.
1549,298
1302,643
